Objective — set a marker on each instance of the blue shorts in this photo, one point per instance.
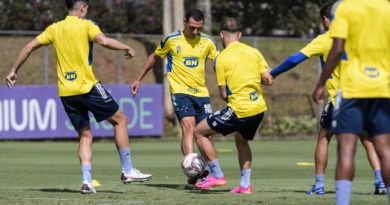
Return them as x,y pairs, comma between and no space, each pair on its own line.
188,105
326,117
356,115
98,101
225,121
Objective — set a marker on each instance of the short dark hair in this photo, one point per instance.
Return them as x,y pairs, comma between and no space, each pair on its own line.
230,25
196,14
70,3
326,10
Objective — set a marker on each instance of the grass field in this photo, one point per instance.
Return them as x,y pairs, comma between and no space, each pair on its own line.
49,173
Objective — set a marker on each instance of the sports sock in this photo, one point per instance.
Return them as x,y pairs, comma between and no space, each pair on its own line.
245,178
343,191
215,169
86,170
388,192
378,176
125,157
320,180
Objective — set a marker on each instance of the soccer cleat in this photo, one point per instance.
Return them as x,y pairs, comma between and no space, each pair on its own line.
211,181
239,189
134,176
380,188
87,188
203,176
315,190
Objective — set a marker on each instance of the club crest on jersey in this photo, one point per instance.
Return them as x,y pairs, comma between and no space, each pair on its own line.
191,62
371,72
178,49
254,95
70,75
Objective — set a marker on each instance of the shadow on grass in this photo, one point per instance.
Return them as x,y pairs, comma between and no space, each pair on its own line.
192,189
77,191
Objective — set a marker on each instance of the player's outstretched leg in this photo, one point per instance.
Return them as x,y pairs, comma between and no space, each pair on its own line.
321,161
245,161
382,146
129,173
380,187
206,147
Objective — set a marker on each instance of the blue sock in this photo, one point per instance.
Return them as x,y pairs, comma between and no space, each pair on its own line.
320,180
245,178
378,176
215,169
343,191
86,170
388,192
125,157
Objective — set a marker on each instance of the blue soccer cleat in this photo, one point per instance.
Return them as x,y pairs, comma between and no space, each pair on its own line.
380,188
315,190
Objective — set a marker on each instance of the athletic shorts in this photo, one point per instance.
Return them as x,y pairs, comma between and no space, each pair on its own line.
225,121
354,115
188,105
98,101
326,117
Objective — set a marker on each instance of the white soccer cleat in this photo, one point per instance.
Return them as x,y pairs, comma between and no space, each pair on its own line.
134,176
87,188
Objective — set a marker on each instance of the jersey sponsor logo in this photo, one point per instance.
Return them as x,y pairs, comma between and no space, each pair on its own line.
191,62
371,72
254,95
71,76
194,90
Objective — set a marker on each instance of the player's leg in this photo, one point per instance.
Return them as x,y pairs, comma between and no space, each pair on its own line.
206,147
85,156
382,146
187,127
380,187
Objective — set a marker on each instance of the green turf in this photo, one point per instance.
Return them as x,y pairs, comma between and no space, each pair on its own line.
49,173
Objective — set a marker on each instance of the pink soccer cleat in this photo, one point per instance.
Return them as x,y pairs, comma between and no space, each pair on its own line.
239,189
210,182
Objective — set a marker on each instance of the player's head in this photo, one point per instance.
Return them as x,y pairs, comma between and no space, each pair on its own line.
77,7
230,30
325,15
193,22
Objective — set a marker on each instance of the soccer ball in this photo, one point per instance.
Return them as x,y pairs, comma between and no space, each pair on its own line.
193,165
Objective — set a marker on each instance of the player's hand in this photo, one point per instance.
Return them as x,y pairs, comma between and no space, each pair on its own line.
11,79
135,87
318,93
129,53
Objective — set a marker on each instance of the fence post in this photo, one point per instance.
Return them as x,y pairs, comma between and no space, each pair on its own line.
45,65
118,60
255,42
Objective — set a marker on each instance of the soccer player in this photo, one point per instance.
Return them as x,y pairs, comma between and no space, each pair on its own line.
78,88
240,70
186,51
361,36
321,46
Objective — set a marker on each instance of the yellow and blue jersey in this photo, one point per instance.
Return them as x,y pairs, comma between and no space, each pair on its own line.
365,26
72,39
239,68
320,46
187,61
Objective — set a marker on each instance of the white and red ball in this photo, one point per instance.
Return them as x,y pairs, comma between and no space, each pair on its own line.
193,165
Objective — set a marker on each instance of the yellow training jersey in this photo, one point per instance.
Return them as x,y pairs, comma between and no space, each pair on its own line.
320,46
239,67
72,39
187,61
365,26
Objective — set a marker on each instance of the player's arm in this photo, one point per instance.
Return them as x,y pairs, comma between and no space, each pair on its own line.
111,43
22,57
223,92
266,77
145,69
334,57
289,63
